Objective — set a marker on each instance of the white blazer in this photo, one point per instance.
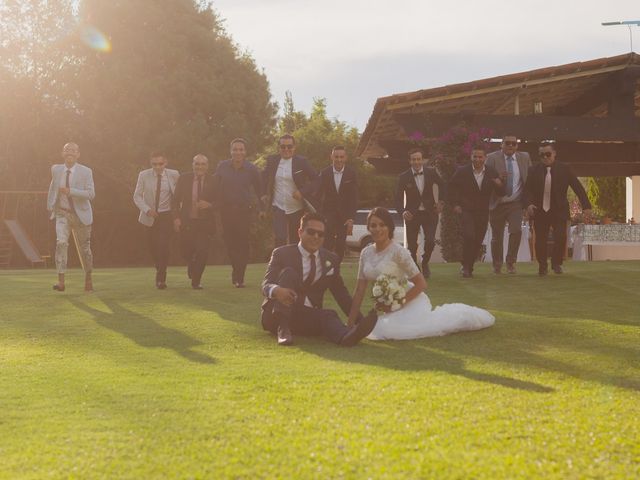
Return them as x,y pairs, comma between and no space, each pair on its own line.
81,188
145,195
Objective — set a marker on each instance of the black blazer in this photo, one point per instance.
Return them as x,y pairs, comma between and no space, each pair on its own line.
464,191
290,256
407,184
342,203
561,179
181,201
304,177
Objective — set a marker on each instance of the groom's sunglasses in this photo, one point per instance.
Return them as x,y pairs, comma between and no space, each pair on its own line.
313,232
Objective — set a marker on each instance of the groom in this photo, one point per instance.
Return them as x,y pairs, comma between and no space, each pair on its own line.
294,285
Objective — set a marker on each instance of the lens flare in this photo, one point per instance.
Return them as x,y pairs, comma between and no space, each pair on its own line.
95,39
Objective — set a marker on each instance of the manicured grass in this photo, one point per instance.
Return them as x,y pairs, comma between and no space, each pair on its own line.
131,382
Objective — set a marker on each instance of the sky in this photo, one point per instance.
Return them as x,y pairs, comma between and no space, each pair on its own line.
352,52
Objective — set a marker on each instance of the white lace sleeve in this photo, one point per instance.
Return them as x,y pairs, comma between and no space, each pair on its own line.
363,259
403,259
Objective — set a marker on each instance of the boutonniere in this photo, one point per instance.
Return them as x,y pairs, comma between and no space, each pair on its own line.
327,264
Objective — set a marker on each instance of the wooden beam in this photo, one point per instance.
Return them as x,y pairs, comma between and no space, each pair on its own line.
532,127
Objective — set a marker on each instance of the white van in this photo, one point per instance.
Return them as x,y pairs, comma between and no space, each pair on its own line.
361,236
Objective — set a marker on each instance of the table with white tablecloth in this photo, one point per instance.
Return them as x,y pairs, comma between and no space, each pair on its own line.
610,241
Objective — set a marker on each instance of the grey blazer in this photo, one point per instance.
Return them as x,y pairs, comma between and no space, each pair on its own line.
145,194
497,161
81,187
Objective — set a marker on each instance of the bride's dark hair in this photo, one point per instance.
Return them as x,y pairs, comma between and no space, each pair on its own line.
384,215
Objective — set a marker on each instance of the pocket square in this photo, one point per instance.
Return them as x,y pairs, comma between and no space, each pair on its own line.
299,171
331,271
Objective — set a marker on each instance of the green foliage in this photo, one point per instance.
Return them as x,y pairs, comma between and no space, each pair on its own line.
133,383
608,196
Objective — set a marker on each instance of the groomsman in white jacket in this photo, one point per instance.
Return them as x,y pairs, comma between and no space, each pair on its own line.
69,201
154,191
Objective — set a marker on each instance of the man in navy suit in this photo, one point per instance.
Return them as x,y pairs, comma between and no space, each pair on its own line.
470,190
415,201
294,285
289,182
192,206
546,190
338,200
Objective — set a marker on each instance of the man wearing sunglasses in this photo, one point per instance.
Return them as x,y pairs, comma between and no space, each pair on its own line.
192,207
513,167
153,194
546,190
294,285
289,182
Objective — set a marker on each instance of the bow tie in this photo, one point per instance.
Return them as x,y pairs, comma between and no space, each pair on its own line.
415,174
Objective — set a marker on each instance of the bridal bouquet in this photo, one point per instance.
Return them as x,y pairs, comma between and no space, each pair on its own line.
389,293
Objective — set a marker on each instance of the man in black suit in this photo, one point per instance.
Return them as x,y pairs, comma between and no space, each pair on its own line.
289,181
294,286
338,200
470,190
415,201
192,207
546,189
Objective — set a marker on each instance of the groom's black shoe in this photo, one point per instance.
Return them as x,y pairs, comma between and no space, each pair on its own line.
360,330
557,269
284,336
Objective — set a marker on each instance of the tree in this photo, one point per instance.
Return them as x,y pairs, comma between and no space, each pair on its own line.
608,196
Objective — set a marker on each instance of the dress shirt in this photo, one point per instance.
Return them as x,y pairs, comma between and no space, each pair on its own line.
236,184
283,188
479,176
337,178
517,181
419,178
63,200
165,192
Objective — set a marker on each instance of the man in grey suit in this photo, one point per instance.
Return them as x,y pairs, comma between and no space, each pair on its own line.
69,201
512,166
153,194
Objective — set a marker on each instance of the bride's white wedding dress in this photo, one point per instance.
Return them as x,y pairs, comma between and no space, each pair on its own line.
415,319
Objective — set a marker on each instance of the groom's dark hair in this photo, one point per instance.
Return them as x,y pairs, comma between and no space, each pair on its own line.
384,215
307,217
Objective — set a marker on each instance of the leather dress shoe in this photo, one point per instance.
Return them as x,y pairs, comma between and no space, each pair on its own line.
58,288
542,272
511,268
363,328
284,336
497,269
238,284
557,269
197,287
161,285
466,273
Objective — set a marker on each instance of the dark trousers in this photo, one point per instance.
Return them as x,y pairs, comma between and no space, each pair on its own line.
429,222
235,224
159,237
474,228
502,214
336,235
302,320
195,238
285,226
542,222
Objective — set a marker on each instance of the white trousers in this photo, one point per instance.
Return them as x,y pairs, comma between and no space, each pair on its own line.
66,223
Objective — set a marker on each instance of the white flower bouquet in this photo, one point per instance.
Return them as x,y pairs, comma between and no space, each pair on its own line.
389,293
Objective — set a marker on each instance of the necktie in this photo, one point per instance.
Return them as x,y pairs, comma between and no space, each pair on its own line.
158,186
66,184
199,188
546,196
312,272
509,189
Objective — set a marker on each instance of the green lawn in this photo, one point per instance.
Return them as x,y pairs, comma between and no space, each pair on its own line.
131,382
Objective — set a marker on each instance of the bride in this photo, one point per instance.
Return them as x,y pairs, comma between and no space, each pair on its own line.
415,319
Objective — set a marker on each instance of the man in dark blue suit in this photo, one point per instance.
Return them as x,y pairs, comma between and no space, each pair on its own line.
470,190
294,286
289,182
415,201
338,200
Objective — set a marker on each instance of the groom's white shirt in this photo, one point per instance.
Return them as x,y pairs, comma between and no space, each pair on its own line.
81,187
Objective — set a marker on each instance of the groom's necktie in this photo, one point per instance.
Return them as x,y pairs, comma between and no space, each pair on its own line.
546,196
312,272
509,189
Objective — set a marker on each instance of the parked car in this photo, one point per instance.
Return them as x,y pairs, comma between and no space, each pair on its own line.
361,237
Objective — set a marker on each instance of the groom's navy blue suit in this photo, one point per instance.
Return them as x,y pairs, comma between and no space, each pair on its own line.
285,270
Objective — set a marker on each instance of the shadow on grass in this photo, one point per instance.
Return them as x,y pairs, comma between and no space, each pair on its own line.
143,330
